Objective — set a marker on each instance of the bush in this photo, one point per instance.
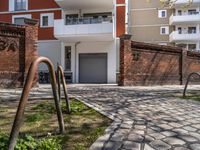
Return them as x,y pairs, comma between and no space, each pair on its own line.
30,143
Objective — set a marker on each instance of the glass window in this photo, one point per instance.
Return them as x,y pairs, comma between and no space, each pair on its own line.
45,20
192,12
20,5
192,46
179,12
192,30
19,21
68,58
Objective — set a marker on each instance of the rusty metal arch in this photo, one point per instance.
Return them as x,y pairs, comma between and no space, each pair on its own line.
188,80
61,79
24,99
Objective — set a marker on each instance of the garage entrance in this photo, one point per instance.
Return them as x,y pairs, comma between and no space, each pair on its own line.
93,68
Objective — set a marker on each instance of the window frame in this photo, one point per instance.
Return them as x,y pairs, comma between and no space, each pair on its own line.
50,20
26,6
166,30
160,13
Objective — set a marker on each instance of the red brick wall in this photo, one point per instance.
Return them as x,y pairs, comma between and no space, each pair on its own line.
17,50
149,64
4,5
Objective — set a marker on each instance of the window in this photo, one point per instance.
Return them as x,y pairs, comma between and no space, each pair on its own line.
162,13
192,12
179,12
19,19
20,5
47,20
164,30
68,58
179,30
192,46
192,30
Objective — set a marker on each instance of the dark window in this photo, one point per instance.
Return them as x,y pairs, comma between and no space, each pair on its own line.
20,5
45,21
163,14
163,30
192,46
68,58
179,12
179,30
192,12
192,30
19,21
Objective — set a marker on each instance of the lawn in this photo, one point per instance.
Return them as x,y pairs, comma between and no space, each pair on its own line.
40,129
190,95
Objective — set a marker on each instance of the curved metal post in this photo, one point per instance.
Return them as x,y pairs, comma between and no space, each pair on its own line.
188,79
61,77
24,98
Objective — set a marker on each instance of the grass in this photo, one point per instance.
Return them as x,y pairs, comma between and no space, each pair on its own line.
83,126
190,95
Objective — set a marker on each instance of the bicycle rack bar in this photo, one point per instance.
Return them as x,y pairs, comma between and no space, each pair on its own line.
188,79
24,99
61,77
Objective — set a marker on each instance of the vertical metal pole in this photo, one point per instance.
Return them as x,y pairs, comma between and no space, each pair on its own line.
24,99
61,75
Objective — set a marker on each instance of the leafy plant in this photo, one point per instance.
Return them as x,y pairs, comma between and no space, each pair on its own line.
49,144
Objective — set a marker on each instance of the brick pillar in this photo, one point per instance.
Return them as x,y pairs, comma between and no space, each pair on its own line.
31,52
125,46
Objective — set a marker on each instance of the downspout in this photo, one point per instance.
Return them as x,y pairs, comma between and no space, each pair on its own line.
76,44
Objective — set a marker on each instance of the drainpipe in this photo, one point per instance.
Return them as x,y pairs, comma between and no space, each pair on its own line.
76,44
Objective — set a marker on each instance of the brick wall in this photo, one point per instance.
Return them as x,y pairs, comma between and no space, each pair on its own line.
17,50
150,64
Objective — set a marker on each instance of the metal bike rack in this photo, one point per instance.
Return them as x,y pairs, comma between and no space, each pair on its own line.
24,99
188,79
61,79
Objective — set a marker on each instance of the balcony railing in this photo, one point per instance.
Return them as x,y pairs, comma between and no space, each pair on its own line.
77,21
184,36
193,17
20,6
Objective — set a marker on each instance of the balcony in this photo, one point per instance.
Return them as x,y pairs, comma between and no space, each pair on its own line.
185,19
184,37
85,4
87,29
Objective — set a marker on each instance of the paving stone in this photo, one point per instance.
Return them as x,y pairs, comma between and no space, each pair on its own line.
113,146
168,133
117,137
160,145
135,138
147,147
140,132
129,145
195,146
189,128
196,126
174,141
148,139
188,138
194,134
181,148
157,136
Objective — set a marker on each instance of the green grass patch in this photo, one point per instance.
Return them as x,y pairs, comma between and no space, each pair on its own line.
83,126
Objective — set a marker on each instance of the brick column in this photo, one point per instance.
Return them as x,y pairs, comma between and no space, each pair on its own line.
125,46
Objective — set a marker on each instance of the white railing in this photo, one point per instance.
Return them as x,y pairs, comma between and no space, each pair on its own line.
186,1
61,29
186,18
184,36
